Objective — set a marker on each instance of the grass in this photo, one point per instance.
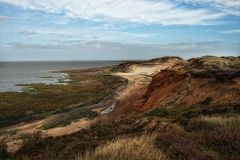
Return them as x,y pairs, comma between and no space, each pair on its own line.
232,122
70,146
123,148
200,132
201,138
86,87
84,113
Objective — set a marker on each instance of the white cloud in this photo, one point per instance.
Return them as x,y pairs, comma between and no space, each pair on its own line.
138,11
225,6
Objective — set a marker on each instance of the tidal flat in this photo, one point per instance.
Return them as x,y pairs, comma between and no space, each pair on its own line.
37,101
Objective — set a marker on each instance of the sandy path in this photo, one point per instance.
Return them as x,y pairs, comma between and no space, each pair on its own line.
69,129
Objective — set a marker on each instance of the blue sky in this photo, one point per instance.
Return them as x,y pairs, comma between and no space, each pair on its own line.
117,30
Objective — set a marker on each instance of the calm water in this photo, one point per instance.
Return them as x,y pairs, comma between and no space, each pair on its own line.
12,73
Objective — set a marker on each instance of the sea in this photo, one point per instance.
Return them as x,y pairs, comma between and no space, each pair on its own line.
14,73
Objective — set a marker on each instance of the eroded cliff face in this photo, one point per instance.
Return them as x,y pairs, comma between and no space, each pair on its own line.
139,76
180,89
181,84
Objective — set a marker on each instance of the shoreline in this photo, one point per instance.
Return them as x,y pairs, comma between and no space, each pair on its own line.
13,76
86,83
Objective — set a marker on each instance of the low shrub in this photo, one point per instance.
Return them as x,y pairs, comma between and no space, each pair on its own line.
182,151
220,134
191,113
218,110
32,142
103,131
199,125
225,141
201,109
160,112
181,145
219,75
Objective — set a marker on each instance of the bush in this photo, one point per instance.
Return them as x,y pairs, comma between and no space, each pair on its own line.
225,141
181,151
218,110
160,112
198,125
192,113
219,75
104,131
32,142
181,145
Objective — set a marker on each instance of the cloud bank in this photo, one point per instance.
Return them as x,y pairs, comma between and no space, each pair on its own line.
164,12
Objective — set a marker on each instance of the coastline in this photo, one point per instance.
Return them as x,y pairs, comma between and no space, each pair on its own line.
86,83
14,74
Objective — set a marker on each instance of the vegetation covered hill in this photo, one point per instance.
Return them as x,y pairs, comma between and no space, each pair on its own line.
170,109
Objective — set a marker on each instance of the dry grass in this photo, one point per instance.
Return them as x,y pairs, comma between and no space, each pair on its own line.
136,148
232,122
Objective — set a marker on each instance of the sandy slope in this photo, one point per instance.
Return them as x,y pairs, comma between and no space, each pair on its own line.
139,77
15,142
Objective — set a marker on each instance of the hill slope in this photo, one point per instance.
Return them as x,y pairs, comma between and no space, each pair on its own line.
186,110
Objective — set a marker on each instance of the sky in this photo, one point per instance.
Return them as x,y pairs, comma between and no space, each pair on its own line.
39,30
